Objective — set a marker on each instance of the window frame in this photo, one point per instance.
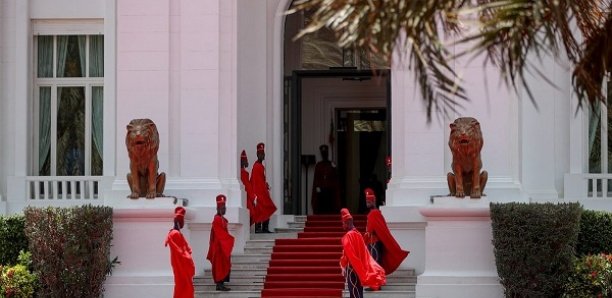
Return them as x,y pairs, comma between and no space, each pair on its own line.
55,29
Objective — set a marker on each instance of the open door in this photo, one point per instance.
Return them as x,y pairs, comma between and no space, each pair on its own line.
347,109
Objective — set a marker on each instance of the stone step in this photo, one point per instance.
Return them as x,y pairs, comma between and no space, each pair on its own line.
237,286
257,250
288,230
384,293
268,236
256,243
257,294
298,225
231,294
250,258
249,266
235,273
299,218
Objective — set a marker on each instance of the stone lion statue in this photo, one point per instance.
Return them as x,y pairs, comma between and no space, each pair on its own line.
142,141
465,143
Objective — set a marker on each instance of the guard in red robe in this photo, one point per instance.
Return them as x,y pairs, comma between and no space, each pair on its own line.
263,202
383,247
358,266
325,186
180,257
220,247
244,177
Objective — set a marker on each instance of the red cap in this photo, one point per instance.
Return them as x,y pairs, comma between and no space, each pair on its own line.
370,196
346,215
260,147
179,213
221,199
243,157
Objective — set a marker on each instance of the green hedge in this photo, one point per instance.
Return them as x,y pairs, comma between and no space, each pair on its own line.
534,247
17,281
70,249
595,233
12,239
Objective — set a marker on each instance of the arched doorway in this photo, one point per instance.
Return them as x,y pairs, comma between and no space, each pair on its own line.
336,97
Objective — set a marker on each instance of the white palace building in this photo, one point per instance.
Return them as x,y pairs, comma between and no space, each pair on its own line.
220,76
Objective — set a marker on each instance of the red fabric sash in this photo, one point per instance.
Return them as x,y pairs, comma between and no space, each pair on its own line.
357,255
392,255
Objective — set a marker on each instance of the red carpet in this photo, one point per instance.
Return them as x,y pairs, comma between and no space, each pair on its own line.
309,266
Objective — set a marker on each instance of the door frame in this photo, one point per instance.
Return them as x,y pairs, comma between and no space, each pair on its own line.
295,203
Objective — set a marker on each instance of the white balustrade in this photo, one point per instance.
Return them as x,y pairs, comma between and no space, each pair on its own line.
63,187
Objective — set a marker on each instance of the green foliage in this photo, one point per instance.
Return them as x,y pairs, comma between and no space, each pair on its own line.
430,35
592,277
595,233
17,281
70,249
534,247
12,239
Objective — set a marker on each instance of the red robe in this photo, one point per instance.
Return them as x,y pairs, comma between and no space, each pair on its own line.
392,255
244,177
357,255
264,205
182,264
326,179
220,249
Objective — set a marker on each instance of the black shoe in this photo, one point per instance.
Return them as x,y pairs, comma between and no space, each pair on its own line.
221,287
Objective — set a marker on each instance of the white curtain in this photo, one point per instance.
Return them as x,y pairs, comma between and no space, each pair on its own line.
97,116
62,51
44,127
45,56
81,41
96,56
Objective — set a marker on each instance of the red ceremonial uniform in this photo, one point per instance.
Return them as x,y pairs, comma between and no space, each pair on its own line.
220,249
244,177
264,206
182,264
356,254
377,230
325,189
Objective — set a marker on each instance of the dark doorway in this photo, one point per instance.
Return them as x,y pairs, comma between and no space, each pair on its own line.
362,149
347,109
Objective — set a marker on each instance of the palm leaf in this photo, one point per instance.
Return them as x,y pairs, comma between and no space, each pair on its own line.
508,32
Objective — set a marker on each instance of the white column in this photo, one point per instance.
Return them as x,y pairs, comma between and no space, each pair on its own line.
22,87
537,134
418,146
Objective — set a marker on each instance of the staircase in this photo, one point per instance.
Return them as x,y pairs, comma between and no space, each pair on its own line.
299,261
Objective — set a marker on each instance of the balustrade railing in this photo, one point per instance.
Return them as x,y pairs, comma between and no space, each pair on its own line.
598,185
63,187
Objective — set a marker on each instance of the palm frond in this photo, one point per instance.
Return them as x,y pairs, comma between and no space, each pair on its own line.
508,32
381,26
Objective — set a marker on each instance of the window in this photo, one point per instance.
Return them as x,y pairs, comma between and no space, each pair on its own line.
68,104
600,137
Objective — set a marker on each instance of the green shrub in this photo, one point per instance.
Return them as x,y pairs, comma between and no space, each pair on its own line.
595,233
70,249
12,239
17,281
592,277
534,247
